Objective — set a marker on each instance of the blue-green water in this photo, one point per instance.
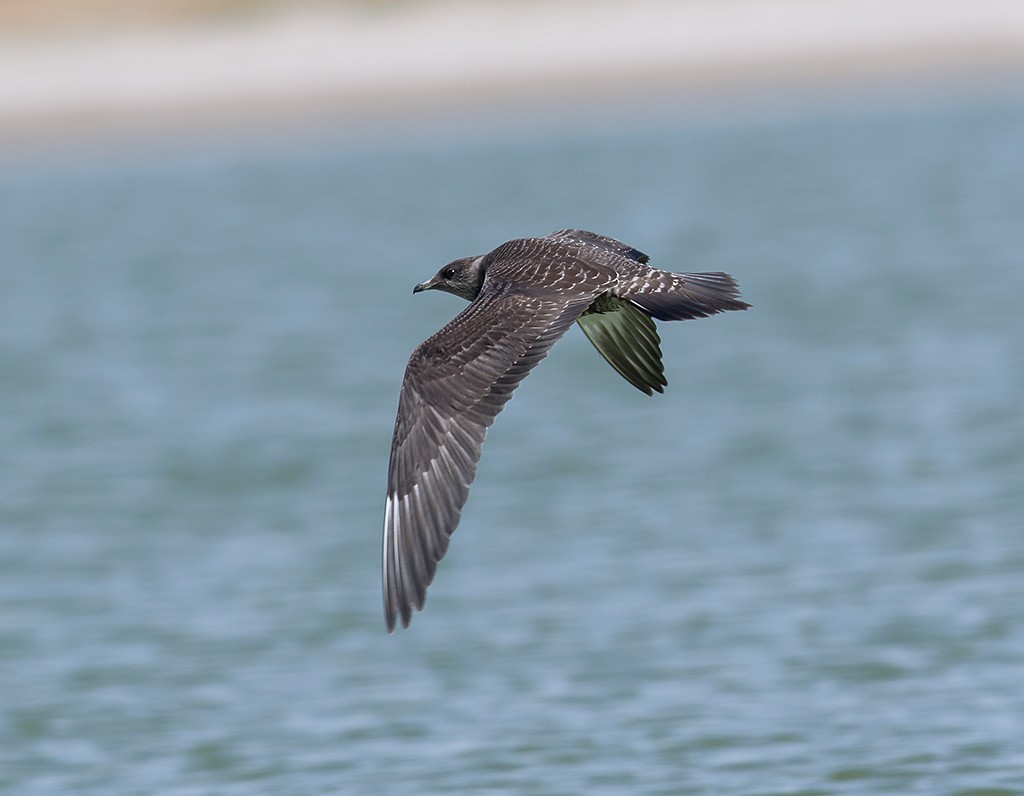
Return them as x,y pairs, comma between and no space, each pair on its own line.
799,571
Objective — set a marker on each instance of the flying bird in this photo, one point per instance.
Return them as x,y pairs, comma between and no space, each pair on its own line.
523,296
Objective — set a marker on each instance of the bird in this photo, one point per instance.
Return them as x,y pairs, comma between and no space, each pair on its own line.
524,295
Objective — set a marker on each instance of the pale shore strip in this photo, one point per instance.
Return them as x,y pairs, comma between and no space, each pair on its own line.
348,64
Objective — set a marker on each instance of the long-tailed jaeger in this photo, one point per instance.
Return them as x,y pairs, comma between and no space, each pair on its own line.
523,296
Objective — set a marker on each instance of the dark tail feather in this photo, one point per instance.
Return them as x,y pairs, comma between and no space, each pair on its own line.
691,296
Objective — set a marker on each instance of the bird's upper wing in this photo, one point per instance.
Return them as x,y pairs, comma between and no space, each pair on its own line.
455,384
601,241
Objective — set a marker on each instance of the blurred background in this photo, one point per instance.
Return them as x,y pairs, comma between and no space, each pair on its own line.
801,570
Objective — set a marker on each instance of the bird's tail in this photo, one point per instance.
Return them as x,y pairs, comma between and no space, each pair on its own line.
679,297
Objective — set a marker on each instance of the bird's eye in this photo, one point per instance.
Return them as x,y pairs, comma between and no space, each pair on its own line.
448,273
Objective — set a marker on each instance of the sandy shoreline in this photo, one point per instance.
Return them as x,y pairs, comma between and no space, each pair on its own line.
349,64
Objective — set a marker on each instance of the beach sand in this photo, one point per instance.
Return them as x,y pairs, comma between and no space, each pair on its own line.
179,71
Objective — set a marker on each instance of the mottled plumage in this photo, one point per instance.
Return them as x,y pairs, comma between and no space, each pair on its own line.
523,296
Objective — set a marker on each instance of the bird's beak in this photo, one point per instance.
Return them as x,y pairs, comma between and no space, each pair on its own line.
423,286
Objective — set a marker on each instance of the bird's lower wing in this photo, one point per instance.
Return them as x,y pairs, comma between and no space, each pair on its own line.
628,339
455,384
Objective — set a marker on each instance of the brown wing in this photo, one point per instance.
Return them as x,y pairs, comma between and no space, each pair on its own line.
601,242
455,384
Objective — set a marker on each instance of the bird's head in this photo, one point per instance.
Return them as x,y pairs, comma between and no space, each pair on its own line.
461,277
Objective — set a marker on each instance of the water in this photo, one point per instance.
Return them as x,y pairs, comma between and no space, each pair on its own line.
799,571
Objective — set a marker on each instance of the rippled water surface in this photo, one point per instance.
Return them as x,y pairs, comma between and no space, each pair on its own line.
801,570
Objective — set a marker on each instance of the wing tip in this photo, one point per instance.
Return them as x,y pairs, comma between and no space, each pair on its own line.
396,601
391,620
398,610
405,581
